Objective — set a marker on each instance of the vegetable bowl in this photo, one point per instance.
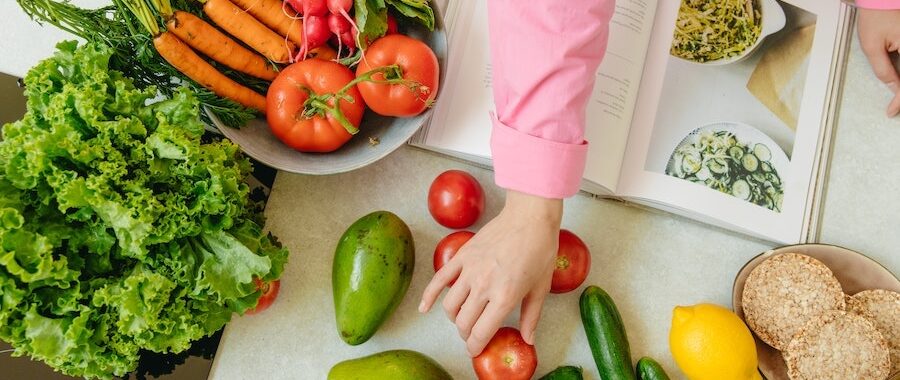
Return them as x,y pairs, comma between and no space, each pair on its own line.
735,159
705,31
378,135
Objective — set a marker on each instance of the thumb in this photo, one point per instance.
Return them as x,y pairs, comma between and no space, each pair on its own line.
894,107
531,313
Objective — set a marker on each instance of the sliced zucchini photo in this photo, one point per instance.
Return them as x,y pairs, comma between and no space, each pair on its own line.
736,152
741,189
762,152
717,165
750,162
691,164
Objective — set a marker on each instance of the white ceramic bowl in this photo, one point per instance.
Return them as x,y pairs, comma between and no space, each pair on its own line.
746,135
773,20
257,141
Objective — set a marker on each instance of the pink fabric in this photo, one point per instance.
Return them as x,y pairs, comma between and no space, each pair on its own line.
878,4
544,57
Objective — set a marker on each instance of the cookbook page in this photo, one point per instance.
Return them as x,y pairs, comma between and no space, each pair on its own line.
730,111
461,123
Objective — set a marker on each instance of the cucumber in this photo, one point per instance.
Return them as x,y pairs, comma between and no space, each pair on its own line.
762,152
649,369
564,373
606,335
750,162
741,189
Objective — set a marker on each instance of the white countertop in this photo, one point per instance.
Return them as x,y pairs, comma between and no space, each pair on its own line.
647,260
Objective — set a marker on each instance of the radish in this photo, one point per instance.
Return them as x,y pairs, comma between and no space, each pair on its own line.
342,28
337,7
315,34
392,25
309,7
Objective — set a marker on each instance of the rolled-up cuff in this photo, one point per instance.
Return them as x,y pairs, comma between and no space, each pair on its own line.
536,166
876,4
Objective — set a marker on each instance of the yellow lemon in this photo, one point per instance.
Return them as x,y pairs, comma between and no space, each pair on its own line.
709,342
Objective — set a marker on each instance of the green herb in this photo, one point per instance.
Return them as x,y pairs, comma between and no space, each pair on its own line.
134,55
719,161
713,30
371,19
120,231
415,9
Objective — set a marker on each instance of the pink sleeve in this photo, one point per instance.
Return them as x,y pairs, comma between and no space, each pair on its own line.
544,58
878,4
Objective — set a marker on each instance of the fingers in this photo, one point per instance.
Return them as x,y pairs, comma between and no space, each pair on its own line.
454,299
440,281
531,314
469,313
894,107
880,59
487,326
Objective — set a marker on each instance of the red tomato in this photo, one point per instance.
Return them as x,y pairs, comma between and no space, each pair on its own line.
455,199
506,357
417,63
269,293
286,103
573,262
448,246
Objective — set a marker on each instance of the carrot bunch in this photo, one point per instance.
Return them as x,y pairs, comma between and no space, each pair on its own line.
262,25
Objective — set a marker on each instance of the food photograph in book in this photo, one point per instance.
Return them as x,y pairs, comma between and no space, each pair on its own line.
731,97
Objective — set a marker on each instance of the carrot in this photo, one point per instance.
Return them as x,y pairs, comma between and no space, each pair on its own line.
275,15
179,55
244,27
208,40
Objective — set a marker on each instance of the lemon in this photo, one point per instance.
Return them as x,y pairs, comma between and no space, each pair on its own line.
709,342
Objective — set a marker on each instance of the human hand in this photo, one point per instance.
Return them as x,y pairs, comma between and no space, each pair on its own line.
879,37
509,262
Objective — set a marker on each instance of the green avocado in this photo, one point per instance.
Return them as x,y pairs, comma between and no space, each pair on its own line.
373,266
390,365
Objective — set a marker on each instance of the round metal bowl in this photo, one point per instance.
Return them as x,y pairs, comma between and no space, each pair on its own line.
378,135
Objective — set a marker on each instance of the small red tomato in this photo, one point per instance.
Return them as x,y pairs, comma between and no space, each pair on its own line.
506,357
573,262
455,199
448,246
269,293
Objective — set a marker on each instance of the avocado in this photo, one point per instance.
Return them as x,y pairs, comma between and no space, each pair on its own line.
373,266
390,365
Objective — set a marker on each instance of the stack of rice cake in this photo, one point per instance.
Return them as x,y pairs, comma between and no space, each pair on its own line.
794,303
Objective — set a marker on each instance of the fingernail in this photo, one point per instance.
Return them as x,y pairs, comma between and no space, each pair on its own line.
422,307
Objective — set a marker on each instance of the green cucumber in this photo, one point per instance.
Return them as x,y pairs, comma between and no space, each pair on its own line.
606,335
649,369
564,373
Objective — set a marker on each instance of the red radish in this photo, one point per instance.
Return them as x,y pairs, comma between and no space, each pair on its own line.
309,7
338,6
392,25
315,34
338,25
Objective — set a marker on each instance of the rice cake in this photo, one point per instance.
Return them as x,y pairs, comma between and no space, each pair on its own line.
882,307
838,346
786,291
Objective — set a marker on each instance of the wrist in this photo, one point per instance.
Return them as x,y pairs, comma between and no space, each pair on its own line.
534,208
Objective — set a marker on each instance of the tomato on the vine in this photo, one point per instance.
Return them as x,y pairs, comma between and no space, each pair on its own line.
269,293
447,248
411,70
455,199
506,357
573,262
301,109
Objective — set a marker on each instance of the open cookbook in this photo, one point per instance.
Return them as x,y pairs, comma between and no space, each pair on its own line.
720,111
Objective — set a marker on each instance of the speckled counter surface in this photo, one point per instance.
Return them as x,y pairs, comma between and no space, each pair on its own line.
648,261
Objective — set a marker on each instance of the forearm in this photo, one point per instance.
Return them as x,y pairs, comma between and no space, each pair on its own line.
545,55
